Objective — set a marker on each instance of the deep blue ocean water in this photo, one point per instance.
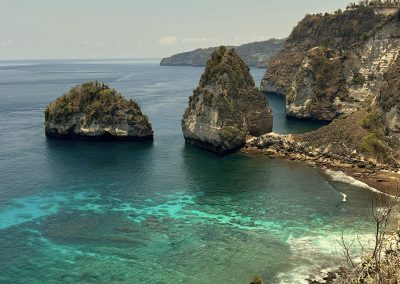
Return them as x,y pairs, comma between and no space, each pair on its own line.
155,212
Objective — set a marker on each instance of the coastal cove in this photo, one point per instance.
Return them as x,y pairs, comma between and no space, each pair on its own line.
162,211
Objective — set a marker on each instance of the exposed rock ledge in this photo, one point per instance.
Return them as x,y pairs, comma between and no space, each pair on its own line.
382,177
94,111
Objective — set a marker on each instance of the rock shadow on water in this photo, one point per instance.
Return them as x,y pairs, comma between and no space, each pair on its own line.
71,159
211,174
289,125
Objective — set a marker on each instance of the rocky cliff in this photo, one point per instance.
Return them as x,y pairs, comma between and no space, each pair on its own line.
226,106
95,111
389,98
358,139
333,64
255,54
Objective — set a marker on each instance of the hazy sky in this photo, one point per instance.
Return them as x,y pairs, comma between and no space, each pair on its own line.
41,29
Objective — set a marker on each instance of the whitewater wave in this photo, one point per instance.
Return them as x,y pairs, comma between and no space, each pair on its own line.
316,255
306,250
340,176
125,78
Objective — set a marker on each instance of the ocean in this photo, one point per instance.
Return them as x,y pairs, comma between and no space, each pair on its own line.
162,211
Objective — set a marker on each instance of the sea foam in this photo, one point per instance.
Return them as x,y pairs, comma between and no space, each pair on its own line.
323,247
340,176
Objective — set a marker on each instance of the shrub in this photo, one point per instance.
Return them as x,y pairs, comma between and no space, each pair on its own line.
382,264
98,101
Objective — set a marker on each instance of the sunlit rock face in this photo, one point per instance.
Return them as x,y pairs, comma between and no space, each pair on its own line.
94,111
328,69
226,106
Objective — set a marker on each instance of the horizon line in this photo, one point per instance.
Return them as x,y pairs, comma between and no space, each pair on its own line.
74,59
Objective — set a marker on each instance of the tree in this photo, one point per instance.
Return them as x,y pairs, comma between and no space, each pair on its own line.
382,264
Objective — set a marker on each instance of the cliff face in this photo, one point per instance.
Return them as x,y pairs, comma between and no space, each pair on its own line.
96,112
333,64
255,54
389,98
226,106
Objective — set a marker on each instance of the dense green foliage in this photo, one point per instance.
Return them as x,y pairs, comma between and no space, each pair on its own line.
214,66
226,68
96,100
375,142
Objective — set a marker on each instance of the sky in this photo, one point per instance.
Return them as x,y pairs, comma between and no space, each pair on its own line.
77,29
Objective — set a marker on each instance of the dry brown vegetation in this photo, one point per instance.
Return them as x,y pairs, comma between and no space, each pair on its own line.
380,264
361,132
341,31
389,95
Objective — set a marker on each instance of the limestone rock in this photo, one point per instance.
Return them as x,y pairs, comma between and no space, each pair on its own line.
94,111
226,106
333,64
389,98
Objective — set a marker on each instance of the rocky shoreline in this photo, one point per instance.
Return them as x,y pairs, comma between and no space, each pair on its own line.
383,178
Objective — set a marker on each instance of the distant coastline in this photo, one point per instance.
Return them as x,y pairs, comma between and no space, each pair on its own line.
255,54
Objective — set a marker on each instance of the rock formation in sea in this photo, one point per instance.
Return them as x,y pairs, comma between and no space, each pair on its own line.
333,64
344,68
94,111
255,54
226,106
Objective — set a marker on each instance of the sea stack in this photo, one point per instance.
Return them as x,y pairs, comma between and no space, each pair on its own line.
226,106
94,111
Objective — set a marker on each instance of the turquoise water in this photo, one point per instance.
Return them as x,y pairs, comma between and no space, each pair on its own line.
161,212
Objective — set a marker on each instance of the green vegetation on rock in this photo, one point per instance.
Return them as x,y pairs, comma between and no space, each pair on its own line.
389,95
226,106
93,109
360,132
375,142
98,101
225,67
328,74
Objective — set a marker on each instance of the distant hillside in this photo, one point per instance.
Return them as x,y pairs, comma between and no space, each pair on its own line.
254,54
